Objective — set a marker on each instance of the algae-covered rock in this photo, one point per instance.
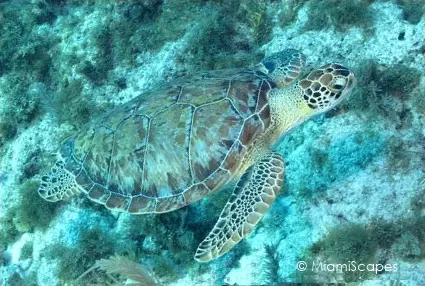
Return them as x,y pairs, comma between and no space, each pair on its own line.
354,179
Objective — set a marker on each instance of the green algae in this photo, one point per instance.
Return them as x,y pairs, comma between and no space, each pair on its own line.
21,105
32,211
8,231
387,233
16,280
171,241
381,86
230,36
24,60
360,243
340,14
8,130
94,244
349,243
413,10
399,80
289,14
71,106
342,245
27,250
397,151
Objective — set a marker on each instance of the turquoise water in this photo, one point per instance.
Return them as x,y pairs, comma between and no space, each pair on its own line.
350,208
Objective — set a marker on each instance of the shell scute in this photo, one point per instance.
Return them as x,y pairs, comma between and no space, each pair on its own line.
233,157
118,201
209,141
99,194
195,193
83,180
128,156
72,165
265,115
217,178
141,204
198,95
97,161
82,142
252,127
248,95
168,203
164,156
114,118
151,104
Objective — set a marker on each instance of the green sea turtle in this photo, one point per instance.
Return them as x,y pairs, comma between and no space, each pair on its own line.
175,145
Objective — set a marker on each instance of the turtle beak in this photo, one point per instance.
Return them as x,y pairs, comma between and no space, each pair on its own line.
351,83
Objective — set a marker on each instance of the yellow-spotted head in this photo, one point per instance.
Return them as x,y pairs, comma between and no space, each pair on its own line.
317,92
324,88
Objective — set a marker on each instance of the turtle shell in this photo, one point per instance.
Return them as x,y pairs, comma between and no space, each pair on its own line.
173,146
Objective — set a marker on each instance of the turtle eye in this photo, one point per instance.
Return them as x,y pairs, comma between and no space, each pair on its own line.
337,86
270,66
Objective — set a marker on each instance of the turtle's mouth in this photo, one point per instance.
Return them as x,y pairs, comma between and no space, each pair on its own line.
350,84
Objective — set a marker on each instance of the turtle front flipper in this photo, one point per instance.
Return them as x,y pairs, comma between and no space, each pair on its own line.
252,196
58,184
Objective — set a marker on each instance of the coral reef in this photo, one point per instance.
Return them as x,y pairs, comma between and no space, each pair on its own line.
354,179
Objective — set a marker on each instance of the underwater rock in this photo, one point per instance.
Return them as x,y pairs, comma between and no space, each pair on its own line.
62,64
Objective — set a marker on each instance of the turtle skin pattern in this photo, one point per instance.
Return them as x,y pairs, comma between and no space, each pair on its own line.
173,146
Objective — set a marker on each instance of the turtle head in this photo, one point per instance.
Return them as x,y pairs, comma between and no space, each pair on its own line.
321,90
324,88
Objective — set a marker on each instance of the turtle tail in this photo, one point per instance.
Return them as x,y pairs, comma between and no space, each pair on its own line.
58,184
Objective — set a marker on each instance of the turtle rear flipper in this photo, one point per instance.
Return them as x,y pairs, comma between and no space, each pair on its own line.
58,184
252,196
